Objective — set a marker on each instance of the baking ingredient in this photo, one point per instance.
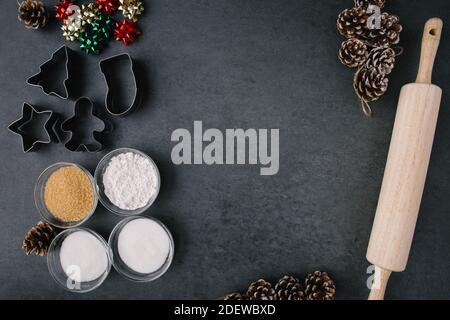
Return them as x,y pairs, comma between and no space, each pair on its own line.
143,245
83,257
38,239
130,181
69,194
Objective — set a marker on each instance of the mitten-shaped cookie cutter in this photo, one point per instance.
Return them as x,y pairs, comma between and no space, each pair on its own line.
23,127
116,94
45,78
80,138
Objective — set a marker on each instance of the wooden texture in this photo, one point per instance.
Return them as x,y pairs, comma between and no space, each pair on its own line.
407,164
430,43
380,283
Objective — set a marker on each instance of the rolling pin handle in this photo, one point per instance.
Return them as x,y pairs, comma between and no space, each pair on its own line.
379,284
430,43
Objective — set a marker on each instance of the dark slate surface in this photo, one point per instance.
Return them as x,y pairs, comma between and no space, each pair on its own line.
238,64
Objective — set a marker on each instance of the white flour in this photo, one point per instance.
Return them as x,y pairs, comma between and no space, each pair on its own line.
130,181
83,257
143,245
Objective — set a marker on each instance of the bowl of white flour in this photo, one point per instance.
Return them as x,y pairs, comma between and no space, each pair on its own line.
128,181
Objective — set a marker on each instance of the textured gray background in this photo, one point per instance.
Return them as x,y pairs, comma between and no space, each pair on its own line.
244,64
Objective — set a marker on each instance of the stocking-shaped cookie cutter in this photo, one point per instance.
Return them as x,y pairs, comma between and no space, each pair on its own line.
45,81
107,67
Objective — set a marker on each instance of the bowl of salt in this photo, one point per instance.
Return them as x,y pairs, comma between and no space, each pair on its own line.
79,260
142,248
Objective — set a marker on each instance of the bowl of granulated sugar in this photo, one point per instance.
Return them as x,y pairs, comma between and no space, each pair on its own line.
128,181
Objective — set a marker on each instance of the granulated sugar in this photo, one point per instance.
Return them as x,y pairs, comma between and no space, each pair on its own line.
143,245
130,181
83,257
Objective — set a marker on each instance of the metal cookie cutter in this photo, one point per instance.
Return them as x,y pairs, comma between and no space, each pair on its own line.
84,128
25,127
120,98
48,72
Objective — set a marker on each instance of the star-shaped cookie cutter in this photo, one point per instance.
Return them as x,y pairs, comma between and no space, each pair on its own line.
29,141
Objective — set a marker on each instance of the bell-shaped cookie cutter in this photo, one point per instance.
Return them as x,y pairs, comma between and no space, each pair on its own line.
44,78
71,126
107,67
31,142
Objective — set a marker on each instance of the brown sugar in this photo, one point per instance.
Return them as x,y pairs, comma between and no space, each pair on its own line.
69,194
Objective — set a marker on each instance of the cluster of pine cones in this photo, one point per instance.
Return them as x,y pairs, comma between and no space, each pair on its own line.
317,286
368,47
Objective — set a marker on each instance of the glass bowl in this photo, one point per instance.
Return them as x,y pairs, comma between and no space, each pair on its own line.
122,268
98,176
39,196
59,275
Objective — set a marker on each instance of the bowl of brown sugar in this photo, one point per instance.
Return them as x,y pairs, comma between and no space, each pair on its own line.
65,195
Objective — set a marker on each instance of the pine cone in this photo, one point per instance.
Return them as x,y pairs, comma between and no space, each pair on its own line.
319,286
235,296
353,52
261,290
38,239
370,84
383,59
388,33
366,3
289,288
33,14
352,22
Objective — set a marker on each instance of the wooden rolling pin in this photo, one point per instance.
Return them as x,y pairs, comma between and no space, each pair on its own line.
406,167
